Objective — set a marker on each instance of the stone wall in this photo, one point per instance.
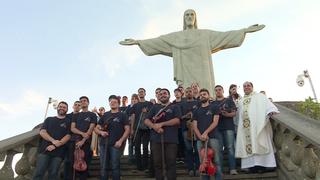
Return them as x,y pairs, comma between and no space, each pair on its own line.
297,142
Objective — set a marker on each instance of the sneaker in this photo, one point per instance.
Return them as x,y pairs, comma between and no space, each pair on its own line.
197,173
233,172
191,173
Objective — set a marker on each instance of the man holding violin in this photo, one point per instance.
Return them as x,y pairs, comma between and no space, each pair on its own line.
54,133
163,119
113,129
82,126
187,108
205,120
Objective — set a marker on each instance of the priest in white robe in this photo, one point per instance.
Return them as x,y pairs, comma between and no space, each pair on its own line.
191,50
254,137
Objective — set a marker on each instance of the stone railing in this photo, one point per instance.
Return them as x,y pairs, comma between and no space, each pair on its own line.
296,138
25,143
297,142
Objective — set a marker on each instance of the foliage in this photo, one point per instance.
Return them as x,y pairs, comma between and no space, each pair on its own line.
310,108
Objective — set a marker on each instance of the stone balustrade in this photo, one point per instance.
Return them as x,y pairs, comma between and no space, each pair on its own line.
296,138
297,142
26,144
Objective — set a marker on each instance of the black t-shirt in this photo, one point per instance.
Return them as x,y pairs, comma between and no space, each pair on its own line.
115,123
178,103
69,116
170,133
186,107
129,109
204,117
124,109
57,129
137,110
83,121
227,104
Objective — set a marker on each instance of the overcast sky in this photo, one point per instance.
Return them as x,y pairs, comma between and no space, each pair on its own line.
66,49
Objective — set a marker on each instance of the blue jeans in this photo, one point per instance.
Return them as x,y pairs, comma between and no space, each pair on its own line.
192,159
130,150
215,145
46,162
226,139
67,171
110,160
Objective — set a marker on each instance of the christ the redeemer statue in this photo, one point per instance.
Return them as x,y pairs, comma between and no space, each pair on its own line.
191,49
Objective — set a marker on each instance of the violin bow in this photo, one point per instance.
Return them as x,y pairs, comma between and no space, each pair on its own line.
139,122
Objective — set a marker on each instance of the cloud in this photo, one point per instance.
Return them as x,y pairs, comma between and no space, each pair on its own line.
209,14
30,100
111,56
23,113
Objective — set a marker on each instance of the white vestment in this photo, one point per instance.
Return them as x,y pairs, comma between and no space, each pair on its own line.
191,52
254,137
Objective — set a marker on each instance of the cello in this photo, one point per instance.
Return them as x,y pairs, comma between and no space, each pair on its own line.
79,162
206,155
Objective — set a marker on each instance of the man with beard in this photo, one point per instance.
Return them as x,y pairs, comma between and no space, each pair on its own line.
163,119
113,129
191,151
205,120
54,133
82,126
141,133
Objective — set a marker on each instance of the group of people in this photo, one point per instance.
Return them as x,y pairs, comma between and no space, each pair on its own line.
167,131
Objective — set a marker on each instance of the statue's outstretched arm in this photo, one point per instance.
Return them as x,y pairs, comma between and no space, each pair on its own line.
129,42
254,28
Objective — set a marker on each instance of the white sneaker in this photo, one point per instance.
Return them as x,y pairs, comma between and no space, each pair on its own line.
191,173
233,172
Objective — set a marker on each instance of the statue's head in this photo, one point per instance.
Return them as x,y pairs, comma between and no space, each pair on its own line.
190,19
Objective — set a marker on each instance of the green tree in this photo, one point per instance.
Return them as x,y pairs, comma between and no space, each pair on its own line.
310,108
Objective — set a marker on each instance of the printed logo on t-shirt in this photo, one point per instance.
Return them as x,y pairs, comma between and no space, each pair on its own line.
194,107
87,119
63,125
116,119
209,113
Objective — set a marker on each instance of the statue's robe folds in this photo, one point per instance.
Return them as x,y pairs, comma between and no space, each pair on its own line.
191,52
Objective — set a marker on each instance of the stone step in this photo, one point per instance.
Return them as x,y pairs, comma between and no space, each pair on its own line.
125,165
129,171
136,173
263,176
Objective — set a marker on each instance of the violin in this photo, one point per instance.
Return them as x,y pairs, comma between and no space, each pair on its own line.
207,167
79,162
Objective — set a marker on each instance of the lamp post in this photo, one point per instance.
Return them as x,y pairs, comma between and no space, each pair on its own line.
300,82
49,102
